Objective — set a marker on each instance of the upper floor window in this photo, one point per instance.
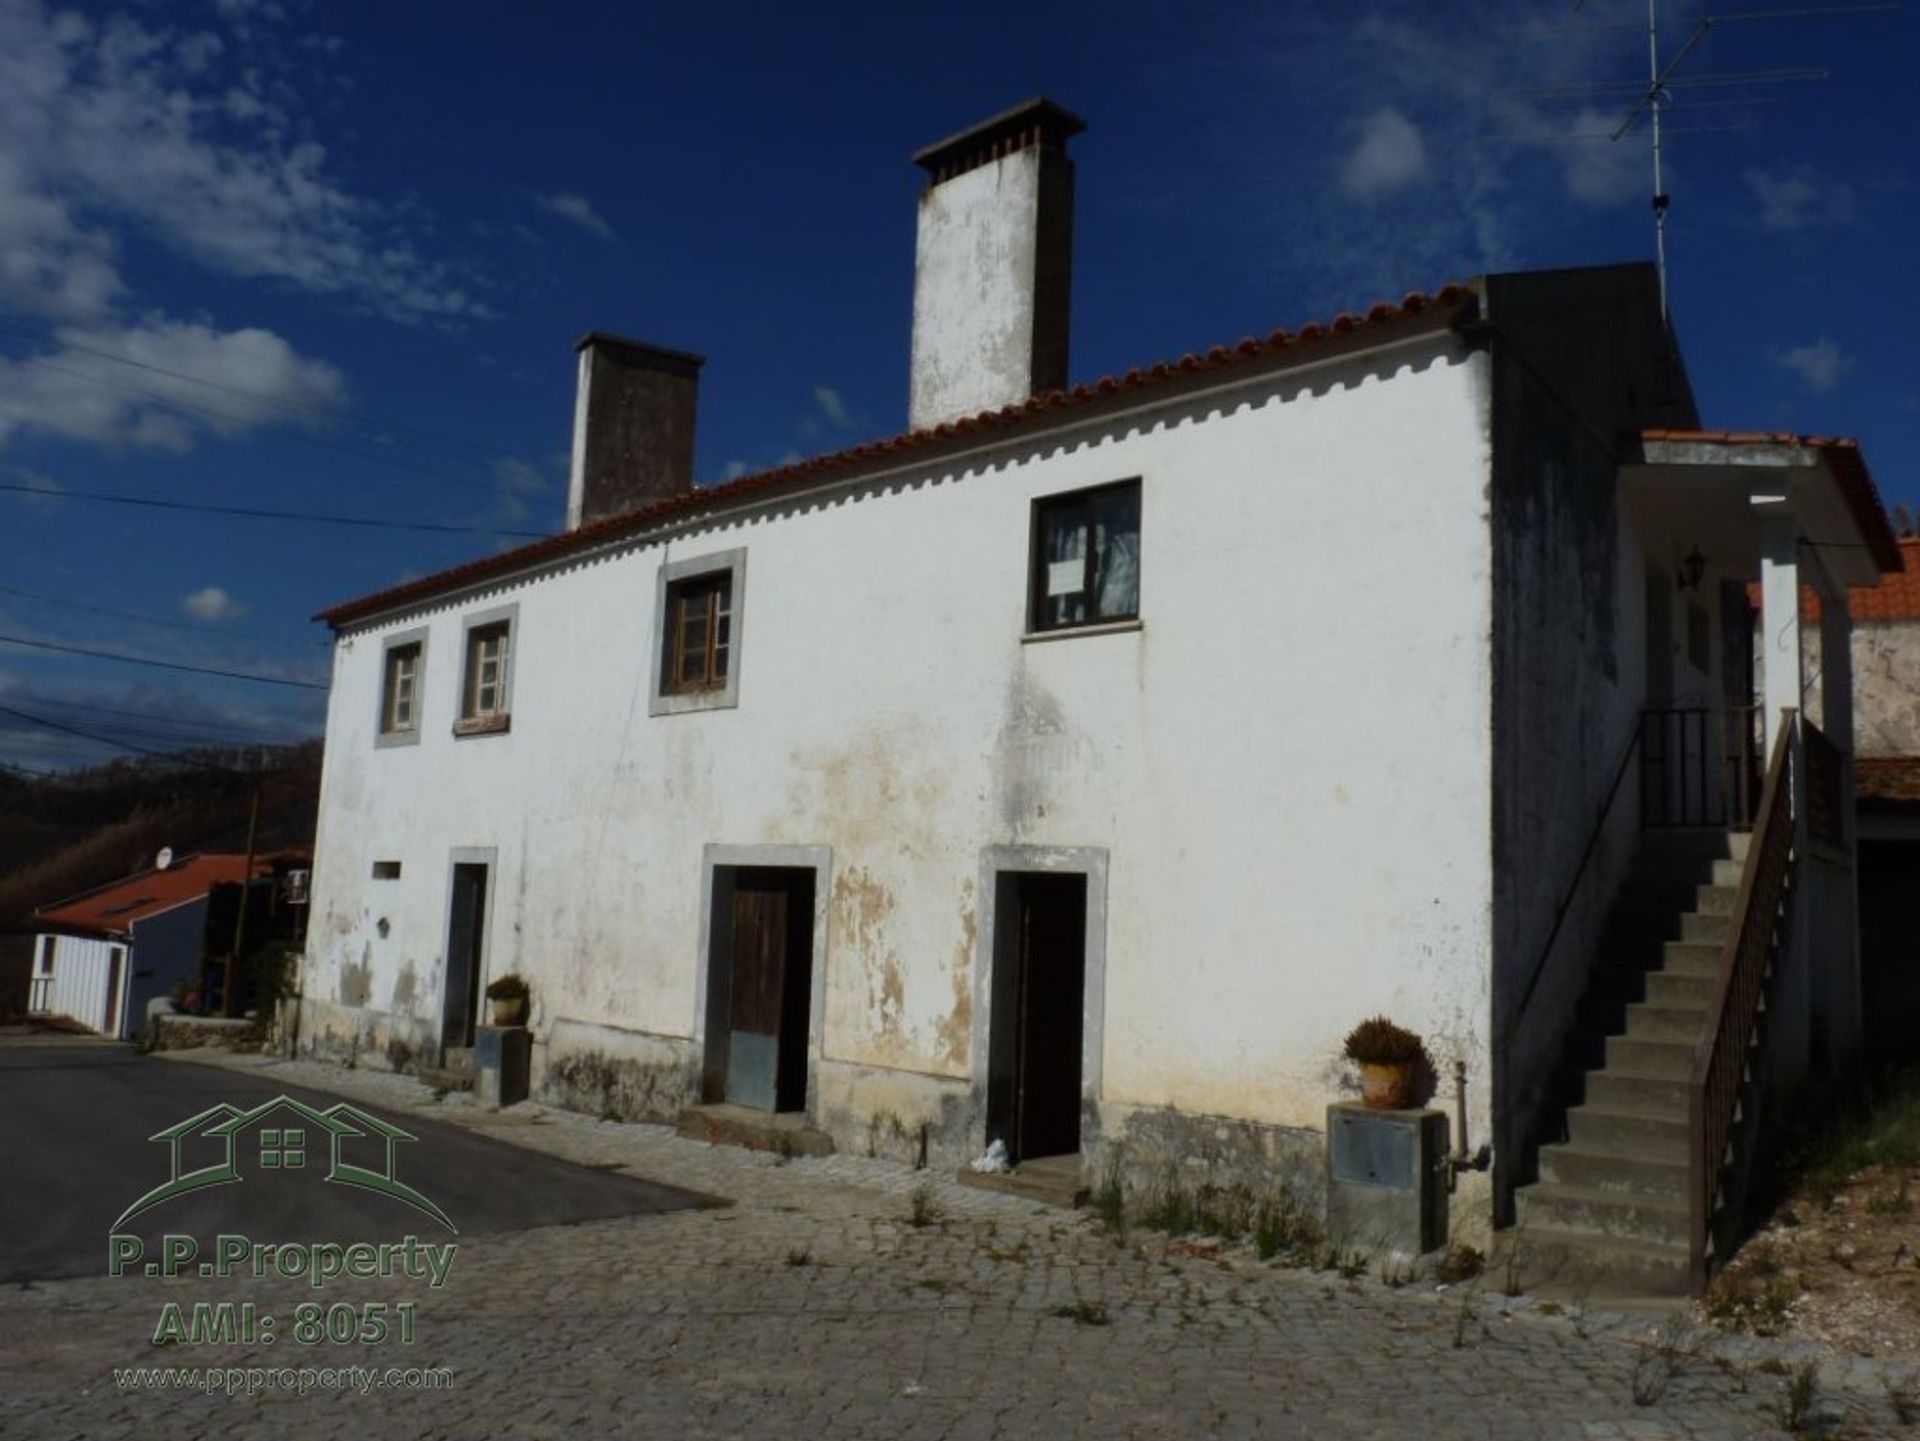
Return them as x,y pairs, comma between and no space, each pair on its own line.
699,633
486,687
696,663
1086,558
403,663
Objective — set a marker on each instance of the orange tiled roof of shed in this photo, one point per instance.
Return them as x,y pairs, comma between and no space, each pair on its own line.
112,908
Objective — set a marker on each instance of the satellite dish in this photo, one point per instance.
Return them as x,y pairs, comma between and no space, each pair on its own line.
164,859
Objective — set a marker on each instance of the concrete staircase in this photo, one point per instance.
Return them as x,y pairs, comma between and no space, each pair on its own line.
1050,1180
1609,1210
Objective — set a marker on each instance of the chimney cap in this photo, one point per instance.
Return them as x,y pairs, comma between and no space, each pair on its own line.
1035,121
639,352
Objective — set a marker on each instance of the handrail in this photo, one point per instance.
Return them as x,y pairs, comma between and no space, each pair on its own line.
1719,1057
1579,874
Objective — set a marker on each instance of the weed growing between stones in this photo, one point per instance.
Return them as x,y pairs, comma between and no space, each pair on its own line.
1086,1313
923,1206
1798,1399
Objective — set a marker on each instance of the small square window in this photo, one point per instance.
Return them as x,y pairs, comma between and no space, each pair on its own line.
403,677
400,709
1086,558
486,681
697,634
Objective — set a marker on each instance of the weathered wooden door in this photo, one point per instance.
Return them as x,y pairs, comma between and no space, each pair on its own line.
466,937
1048,973
770,985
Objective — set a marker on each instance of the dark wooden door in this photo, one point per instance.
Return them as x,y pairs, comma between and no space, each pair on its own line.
1049,1022
770,986
466,935
112,1027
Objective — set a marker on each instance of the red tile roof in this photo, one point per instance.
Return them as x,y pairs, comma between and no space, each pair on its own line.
1445,306
112,909
1887,778
1849,471
1897,597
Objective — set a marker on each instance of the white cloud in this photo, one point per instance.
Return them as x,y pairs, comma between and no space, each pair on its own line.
1821,366
576,208
832,405
1801,199
1390,155
211,603
516,487
1601,172
113,123
74,390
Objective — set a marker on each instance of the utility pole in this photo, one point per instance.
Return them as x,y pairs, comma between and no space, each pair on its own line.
231,996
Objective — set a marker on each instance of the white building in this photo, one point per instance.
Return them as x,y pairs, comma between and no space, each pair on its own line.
1077,767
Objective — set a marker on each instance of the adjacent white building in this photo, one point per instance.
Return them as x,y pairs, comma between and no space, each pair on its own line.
1075,768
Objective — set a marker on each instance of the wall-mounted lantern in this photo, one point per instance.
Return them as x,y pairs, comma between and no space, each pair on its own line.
1693,570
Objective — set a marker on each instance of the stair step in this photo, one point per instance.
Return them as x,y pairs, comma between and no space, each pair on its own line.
1738,844
1572,1164
1599,1265
1705,926
1661,1021
1650,1135
1618,1090
1615,1214
1680,988
1715,900
1696,956
1667,1059
1727,873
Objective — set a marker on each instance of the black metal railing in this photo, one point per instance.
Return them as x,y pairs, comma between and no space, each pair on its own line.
1700,766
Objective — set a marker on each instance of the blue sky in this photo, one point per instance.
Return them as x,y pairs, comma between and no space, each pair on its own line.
370,235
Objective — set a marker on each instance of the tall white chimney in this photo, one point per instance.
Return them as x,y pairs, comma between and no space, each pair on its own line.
993,265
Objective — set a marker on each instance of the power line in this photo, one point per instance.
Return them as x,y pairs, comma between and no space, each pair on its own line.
161,664
225,418
375,428
198,629
162,729
53,725
255,513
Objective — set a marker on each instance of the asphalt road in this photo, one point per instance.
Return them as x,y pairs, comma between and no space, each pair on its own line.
76,1122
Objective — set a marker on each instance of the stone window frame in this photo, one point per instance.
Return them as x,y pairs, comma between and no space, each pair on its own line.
660,700
499,721
382,735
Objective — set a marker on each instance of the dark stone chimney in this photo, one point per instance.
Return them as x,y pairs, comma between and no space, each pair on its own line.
632,426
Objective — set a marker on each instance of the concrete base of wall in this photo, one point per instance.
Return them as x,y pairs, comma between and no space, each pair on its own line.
358,1036
187,1033
894,1115
619,1074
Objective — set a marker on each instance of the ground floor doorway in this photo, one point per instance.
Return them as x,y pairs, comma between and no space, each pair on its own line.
1038,1024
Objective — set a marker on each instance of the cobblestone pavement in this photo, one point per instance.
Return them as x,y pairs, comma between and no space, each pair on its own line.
814,1307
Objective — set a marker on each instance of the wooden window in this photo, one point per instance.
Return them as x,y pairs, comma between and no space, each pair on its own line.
696,648
400,702
485,693
1086,558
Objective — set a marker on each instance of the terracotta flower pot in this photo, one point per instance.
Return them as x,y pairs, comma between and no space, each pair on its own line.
510,1010
1388,1087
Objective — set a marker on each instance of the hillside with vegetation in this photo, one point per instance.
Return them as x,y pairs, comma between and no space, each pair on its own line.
64,834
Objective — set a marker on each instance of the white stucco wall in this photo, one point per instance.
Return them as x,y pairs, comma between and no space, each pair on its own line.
1288,764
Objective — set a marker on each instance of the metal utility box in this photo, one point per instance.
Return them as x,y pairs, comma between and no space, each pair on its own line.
1387,1178
501,1060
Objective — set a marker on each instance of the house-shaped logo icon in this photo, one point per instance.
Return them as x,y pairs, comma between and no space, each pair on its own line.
286,1135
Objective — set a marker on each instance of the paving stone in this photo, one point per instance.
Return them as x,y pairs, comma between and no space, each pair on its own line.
811,1308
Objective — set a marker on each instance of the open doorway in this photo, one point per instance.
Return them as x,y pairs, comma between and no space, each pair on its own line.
1037,1030
760,986
466,954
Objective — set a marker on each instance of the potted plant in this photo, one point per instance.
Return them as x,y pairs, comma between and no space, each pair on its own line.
509,997
1394,1065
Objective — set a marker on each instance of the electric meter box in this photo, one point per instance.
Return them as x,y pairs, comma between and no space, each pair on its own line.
1387,1174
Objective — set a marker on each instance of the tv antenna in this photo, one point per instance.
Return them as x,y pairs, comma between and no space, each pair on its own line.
1652,99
